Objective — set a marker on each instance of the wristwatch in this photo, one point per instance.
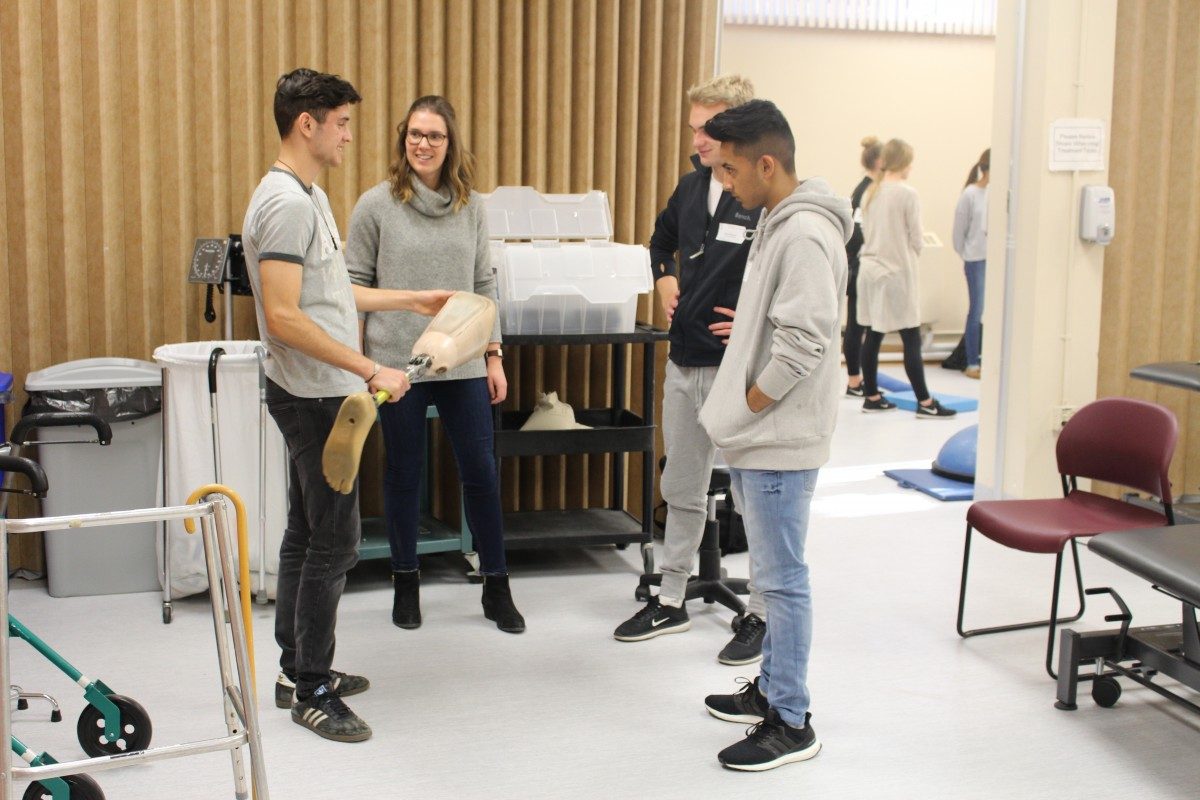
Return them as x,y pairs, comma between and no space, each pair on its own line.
497,353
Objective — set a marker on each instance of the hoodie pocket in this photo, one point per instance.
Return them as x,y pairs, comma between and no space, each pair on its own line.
729,420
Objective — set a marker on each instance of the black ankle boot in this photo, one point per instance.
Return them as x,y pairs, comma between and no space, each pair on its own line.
406,605
498,604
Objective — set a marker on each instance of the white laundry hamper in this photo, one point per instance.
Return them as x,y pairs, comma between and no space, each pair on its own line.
188,463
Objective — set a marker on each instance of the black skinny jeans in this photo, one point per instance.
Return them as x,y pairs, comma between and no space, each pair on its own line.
913,366
852,342
319,546
466,414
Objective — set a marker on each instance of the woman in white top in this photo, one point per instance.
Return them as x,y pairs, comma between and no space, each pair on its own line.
970,242
888,299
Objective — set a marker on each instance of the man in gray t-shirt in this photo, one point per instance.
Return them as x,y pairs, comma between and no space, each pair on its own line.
307,316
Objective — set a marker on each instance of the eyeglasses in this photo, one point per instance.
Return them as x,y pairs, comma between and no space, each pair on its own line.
435,138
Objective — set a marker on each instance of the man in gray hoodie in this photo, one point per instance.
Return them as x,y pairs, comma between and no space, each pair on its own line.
772,410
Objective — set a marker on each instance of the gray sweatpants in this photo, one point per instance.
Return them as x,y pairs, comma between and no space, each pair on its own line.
685,480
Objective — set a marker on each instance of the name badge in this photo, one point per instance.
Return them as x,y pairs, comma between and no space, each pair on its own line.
734,234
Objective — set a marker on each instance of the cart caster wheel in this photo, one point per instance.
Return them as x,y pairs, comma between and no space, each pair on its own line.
82,788
135,729
623,546
1106,692
22,704
166,615
642,593
56,716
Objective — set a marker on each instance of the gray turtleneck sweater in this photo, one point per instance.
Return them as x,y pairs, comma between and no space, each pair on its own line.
421,244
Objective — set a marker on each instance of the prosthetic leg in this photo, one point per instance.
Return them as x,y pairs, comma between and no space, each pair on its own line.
459,333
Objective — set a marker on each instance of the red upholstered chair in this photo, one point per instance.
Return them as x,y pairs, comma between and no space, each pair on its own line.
1118,440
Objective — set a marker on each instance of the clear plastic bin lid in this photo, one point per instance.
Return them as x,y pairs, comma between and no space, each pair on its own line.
521,212
94,373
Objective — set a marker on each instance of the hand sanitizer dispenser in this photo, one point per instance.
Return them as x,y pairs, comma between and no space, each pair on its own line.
1097,214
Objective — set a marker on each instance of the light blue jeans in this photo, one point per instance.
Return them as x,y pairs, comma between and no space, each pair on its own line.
975,272
775,505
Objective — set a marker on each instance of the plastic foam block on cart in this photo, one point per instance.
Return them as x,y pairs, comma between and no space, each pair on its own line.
889,384
937,487
908,401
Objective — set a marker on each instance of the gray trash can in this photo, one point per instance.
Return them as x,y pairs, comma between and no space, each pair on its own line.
87,478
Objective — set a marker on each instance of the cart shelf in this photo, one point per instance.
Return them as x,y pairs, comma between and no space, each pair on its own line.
612,430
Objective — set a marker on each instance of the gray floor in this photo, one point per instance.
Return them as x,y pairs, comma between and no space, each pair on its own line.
904,707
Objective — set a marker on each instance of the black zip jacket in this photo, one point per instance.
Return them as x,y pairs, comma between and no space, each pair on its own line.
709,270
856,239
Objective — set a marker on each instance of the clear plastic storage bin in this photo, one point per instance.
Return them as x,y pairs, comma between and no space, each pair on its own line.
548,284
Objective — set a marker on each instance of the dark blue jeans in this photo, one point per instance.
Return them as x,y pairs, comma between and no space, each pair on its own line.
975,272
466,414
320,544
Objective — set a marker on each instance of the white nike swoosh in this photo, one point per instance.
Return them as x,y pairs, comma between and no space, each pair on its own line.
657,622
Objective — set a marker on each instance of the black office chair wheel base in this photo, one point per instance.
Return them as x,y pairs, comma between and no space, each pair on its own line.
82,788
642,593
136,729
1106,692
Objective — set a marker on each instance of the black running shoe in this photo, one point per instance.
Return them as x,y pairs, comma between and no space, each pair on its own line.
746,645
345,685
934,411
854,391
882,404
653,620
326,715
745,705
771,743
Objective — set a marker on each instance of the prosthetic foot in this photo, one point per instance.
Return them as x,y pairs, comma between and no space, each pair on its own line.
343,448
459,332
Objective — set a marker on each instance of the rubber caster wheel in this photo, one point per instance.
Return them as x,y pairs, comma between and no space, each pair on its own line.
82,788
623,546
135,729
1106,692
642,593
166,615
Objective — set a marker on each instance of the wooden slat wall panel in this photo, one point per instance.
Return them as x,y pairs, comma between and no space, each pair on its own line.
132,127
1151,285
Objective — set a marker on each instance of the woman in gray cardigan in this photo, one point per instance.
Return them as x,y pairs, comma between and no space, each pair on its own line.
425,228
888,298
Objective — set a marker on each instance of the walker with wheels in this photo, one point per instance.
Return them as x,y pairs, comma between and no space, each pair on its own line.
115,730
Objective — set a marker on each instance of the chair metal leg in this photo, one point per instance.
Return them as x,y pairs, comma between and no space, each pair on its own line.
1053,622
1054,604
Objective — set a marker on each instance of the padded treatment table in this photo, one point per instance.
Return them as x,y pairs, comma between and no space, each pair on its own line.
1180,374
1169,558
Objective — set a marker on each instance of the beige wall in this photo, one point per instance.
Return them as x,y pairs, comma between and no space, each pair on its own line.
1048,356
837,86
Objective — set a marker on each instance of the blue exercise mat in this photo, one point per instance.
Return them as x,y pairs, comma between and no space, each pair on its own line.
890,384
937,487
908,401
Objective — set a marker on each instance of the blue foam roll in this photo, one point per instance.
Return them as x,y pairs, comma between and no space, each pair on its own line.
890,384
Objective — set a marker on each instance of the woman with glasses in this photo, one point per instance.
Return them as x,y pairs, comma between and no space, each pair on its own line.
425,228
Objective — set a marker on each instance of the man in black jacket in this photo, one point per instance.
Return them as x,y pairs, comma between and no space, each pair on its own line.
698,253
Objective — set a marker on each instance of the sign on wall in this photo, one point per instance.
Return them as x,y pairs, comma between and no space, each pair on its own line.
1077,145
